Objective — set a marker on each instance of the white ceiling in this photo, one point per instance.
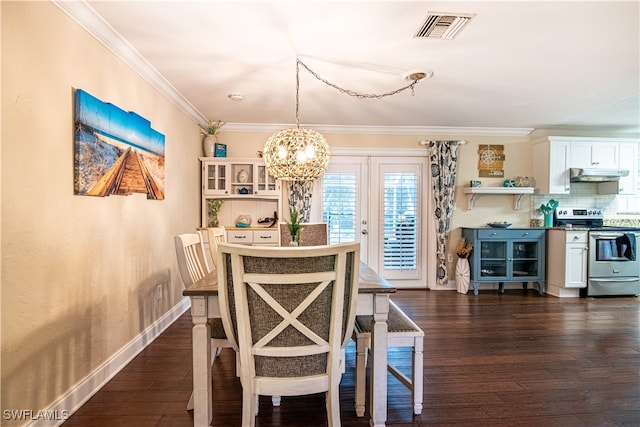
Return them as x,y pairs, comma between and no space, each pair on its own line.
572,65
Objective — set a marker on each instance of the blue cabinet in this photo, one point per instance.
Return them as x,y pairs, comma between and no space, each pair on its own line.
507,255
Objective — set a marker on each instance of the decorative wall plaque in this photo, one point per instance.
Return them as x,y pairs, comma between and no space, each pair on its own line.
491,161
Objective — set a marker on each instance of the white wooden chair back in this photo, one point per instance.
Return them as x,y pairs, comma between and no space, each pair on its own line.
193,266
291,312
215,235
192,261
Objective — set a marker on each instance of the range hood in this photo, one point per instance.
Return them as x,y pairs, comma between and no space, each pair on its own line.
597,175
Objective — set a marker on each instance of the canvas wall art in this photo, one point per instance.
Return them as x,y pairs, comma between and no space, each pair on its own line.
115,151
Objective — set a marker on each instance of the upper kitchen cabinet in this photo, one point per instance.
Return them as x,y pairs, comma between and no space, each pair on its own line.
554,156
597,153
551,165
629,160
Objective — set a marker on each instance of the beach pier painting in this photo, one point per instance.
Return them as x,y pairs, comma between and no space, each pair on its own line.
115,152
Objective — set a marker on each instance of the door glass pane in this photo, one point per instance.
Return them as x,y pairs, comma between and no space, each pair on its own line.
399,229
339,198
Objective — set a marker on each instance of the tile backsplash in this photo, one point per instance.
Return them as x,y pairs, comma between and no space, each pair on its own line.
617,210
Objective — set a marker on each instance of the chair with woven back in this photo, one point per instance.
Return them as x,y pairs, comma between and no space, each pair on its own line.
290,313
193,266
311,234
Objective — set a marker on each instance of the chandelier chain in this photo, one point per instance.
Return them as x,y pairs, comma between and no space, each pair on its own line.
298,94
348,91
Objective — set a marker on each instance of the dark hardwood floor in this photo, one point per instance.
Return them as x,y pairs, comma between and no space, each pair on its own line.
513,359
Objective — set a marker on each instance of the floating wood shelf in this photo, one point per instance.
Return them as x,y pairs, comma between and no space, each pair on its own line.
517,192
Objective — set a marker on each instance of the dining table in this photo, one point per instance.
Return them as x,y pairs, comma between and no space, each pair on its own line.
373,299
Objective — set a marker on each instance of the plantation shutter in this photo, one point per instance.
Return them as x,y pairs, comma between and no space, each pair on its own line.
400,206
339,200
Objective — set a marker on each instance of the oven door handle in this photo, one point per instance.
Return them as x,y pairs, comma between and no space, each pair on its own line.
599,235
624,279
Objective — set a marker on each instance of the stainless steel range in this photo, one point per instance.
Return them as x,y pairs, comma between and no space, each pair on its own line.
614,264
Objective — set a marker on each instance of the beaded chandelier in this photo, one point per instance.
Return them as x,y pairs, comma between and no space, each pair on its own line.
296,154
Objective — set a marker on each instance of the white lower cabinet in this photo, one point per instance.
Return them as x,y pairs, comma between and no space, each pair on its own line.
246,236
567,258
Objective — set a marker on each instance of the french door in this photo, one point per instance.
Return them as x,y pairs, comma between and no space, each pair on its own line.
380,202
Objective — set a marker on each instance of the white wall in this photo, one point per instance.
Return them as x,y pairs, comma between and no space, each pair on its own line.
79,274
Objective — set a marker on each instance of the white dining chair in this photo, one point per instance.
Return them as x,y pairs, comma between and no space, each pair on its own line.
312,234
290,313
193,266
211,237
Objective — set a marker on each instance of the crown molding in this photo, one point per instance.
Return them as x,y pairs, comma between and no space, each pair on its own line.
394,130
90,20
82,13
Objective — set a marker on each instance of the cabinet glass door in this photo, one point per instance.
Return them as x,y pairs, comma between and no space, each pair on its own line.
215,178
525,259
493,259
265,181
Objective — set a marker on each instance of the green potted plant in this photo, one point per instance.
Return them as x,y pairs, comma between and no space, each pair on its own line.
295,227
214,209
210,133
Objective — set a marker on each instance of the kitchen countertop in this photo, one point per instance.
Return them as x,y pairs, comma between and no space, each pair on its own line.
570,228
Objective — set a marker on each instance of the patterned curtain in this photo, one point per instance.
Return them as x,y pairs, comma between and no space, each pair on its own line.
444,162
300,198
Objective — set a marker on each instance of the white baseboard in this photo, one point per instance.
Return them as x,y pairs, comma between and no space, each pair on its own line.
79,394
563,292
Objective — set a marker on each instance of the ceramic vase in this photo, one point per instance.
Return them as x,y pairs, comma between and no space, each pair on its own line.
462,275
208,145
548,220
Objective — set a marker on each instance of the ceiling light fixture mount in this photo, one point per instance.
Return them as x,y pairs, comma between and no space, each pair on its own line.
417,75
235,96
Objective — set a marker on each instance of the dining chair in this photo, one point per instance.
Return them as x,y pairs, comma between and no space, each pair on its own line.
193,266
312,234
213,236
290,313
403,332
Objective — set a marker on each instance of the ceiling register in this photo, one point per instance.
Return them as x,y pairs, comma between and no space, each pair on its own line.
299,154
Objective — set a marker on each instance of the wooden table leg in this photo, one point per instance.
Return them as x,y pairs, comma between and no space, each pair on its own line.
378,354
201,336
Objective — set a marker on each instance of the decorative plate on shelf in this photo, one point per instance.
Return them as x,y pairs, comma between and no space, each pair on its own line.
499,224
243,176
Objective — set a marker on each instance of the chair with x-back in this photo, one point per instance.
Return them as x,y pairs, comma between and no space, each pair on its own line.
193,266
290,312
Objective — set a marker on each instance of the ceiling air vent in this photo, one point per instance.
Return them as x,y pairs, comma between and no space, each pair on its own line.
443,25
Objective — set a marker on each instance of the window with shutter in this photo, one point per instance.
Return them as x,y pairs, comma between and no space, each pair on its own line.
339,206
399,229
